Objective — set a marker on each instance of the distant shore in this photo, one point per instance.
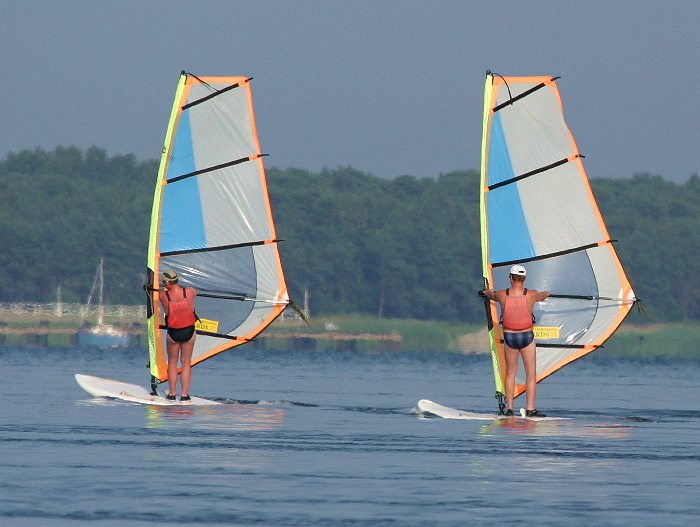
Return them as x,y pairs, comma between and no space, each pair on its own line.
354,333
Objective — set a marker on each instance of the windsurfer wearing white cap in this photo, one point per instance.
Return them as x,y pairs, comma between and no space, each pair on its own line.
517,304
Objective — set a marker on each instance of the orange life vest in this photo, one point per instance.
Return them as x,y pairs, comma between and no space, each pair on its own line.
516,315
180,314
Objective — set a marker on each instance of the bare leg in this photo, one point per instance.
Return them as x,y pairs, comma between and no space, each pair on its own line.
528,354
511,370
173,356
186,373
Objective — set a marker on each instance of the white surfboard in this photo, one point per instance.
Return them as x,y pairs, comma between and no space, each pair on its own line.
100,387
429,407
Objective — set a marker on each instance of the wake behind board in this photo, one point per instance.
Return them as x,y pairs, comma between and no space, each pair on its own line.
99,387
429,407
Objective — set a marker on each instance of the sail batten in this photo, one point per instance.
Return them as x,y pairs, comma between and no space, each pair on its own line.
221,248
550,222
212,95
551,255
532,173
215,168
216,232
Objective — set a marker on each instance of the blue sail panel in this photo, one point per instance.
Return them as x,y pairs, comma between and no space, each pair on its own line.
182,225
509,235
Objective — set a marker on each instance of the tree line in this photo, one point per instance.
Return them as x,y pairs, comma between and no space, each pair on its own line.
406,247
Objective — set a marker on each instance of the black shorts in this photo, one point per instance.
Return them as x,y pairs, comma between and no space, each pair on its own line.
181,335
518,341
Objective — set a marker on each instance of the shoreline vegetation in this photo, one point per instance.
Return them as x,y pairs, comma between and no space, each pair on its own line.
361,333
357,242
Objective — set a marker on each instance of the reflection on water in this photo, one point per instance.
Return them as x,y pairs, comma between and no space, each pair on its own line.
221,417
568,428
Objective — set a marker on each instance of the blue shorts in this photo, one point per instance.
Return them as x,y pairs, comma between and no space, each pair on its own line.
518,341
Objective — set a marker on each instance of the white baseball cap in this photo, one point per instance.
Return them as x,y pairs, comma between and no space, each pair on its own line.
518,270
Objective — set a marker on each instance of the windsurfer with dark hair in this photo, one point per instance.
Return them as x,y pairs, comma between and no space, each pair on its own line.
517,304
180,317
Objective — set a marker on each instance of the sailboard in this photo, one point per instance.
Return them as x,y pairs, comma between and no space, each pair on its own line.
431,408
538,210
133,393
212,222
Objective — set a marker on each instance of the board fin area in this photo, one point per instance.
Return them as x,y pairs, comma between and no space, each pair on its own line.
100,387
427,407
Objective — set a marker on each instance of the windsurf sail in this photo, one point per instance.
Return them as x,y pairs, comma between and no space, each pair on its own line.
211,221
538,210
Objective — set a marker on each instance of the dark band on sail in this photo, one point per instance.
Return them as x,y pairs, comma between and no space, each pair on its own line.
212,95
533,172
590,297
212,334
218,248
570,346
549,345
221,336
524,94
550,255
225,296
215,167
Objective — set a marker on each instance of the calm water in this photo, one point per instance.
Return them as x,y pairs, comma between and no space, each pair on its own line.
332,439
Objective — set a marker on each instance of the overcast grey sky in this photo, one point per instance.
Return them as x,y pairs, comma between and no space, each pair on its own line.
388,87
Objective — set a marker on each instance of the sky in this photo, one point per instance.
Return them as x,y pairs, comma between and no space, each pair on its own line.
388,87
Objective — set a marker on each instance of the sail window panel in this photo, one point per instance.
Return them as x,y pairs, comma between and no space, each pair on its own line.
211,272
222,128
553,274
258,275
535,131
259,314
601,325
571,274
229,315
558,210
573,317
611,284
270,286
270,281
236,207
